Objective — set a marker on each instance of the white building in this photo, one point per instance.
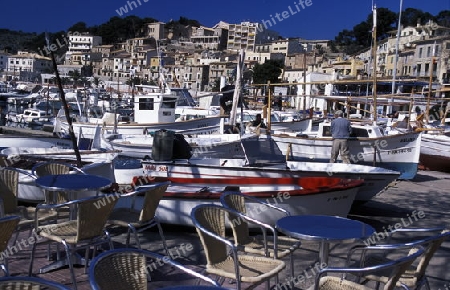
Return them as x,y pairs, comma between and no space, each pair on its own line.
247,35
83,42
26,66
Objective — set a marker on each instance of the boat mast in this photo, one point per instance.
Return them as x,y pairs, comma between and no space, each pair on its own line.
394,73
430,84
374,52
237,90
65,105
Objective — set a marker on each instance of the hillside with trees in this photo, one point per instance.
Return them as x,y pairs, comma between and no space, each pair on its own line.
118,29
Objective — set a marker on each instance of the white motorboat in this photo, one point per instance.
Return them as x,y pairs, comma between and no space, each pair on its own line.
264,173
31,117
368,146
155,109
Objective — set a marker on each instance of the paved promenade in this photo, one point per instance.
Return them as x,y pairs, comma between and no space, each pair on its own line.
429,193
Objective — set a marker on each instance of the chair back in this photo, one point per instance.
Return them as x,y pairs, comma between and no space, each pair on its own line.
393,268
50,168
92,214
127,268
152,197
398,267
240,228
35,283
7,227
54,167
431,245
209,218
9,184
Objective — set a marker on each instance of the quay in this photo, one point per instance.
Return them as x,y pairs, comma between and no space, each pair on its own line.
428,194
24,131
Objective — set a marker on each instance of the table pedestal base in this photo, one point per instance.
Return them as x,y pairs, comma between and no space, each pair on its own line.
76,259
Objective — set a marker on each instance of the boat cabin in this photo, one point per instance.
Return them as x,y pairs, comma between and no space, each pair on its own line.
358,130
159,106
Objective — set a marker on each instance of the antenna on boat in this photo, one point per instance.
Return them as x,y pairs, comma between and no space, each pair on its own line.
394,73
64,103
374,52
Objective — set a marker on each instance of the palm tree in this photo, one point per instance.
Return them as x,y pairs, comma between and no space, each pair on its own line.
76,76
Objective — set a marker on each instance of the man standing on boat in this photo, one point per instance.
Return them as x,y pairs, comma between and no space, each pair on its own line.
340,131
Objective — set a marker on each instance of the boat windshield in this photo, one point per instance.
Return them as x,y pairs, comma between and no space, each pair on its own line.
184,97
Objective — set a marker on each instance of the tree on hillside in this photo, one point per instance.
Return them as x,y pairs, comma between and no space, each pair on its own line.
187,21
386,22
412,16
79,27
268,71
351,41
443,18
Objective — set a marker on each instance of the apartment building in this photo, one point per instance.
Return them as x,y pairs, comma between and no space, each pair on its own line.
83,42
27,66
209,38
247,35
155,30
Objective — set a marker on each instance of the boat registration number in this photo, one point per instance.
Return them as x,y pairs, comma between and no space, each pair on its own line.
156,170
153,167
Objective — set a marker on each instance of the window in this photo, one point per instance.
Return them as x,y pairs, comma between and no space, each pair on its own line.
146,104
428,51
420,52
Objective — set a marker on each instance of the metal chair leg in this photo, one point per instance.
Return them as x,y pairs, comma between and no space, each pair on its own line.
69,261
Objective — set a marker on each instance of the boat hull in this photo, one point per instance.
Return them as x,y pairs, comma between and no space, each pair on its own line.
208,125
395,152
206,146
435,152
299,196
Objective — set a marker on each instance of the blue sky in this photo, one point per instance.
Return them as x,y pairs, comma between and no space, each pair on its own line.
323,19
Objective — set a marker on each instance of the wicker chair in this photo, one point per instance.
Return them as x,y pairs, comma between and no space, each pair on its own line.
35,283
129,268
138,220
210,223
415,276
88,229
395,268
51,168
7,227
9,184
267,245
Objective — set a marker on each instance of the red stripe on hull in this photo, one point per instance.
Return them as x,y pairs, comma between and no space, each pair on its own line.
310,185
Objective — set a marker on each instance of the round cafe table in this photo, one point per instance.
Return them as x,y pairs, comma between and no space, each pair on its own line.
72,182
324,229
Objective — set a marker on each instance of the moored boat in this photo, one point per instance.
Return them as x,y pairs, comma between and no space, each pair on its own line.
369,146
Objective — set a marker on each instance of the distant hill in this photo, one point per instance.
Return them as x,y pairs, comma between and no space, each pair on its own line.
11,41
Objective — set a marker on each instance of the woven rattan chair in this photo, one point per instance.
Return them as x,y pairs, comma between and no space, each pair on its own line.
415,276
210,223
52,168
35,283
129,268
7,227
88,229
9,185
270,245
395,268
139,219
